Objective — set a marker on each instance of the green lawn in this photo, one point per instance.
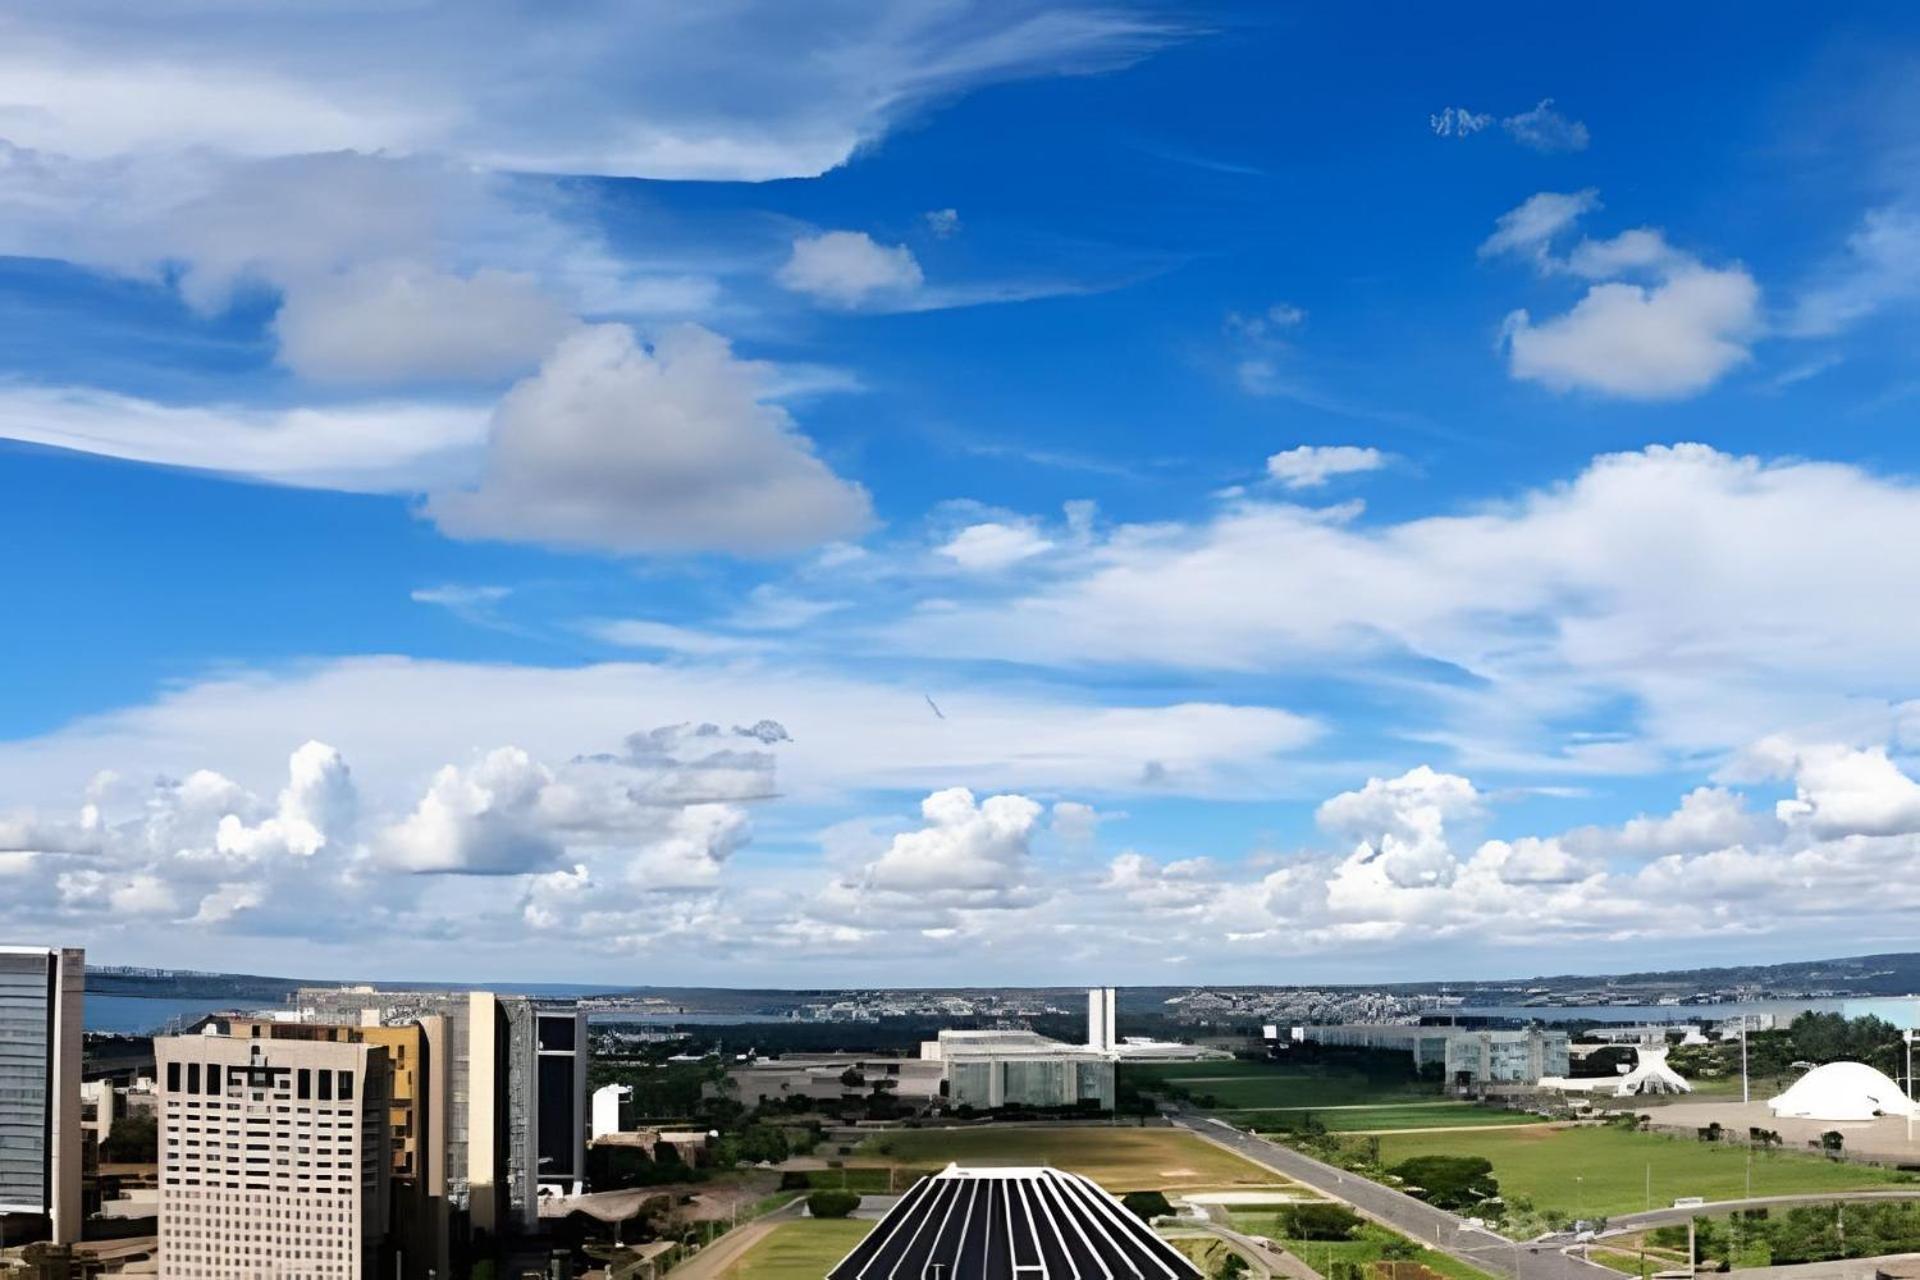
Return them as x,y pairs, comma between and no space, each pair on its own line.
1119,1159
1367,1246
877,1178
1414,1115
1236,1085
800,1250
1605,1171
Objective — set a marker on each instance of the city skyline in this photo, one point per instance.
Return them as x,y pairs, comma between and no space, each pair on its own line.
1057,494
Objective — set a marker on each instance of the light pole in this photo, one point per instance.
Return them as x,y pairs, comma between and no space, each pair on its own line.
1908,1037
1746,1093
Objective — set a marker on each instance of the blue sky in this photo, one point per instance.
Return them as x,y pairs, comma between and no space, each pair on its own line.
920,491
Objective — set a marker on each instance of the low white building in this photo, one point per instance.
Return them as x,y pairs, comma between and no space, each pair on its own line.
991,1069
1842,1091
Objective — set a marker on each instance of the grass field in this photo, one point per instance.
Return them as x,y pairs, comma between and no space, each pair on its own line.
1605,1171
1235,1085
1119,1159
1367,1246
800,1250
1388,1116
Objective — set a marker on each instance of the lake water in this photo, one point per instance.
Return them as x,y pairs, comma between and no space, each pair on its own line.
1901,1011
143,1015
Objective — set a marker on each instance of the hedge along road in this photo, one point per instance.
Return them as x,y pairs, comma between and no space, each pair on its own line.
1448,1232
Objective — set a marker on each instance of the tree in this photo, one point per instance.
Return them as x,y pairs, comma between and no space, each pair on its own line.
1147,1205
134,1139
1230,1266
852,1078
762,1143
1832,1141
832,1203
1320,1222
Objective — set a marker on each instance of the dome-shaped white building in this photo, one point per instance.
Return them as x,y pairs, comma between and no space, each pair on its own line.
1842,1091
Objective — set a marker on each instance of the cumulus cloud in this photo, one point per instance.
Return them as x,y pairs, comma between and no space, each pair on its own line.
968,851
1657,324
668,448
1660,342
1708,818
1402,822
846,268
1310,466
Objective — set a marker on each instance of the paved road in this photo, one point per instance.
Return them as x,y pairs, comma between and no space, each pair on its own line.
712,1261
1657,1217
1445,1231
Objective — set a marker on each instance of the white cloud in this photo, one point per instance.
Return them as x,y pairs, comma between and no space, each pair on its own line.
1310,466
371,447
1841,790
1544,129
994,545
943,223
976,853
1881,267
1074,822
1662,342
399,720
1655,581
1708,818
669,448
1672,336
643,633
393,322
650,89
846,268
482,819
1458,122
1530,228
1401,822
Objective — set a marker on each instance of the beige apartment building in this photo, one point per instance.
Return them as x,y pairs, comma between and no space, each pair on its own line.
417,1222
274,1157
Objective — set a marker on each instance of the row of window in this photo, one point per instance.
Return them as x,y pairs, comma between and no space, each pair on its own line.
321,1083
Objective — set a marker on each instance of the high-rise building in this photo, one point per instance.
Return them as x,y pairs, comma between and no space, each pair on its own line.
515,1099
42,993
274,1157
1100,1029
418,1222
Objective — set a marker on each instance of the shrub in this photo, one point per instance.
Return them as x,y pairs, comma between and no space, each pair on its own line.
1320,1222
1450,1182
832,1204
795,1180
1147,1205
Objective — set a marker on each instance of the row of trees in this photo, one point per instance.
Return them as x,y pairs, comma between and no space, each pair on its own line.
1814,1233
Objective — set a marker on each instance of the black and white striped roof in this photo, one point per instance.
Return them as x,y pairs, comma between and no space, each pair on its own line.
1011,1224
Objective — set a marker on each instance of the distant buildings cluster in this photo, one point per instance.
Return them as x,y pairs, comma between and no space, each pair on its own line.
1303,1005
360,1133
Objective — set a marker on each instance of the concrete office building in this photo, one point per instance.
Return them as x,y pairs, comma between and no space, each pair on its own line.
1466,1056
42,995
418,1220
508,1074
988,1069
274,1157
1100,1033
